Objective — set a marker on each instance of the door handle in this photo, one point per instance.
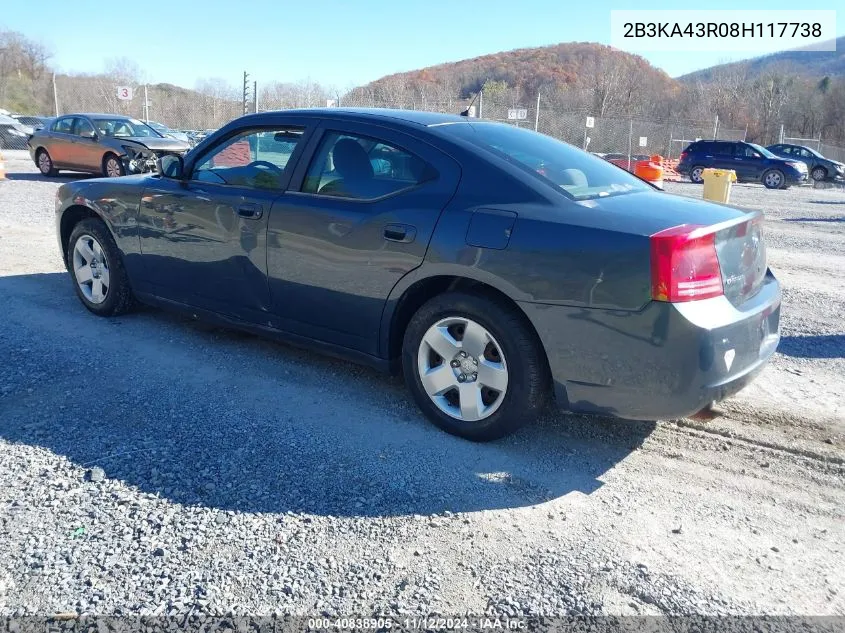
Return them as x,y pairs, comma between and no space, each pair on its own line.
250,210
403,233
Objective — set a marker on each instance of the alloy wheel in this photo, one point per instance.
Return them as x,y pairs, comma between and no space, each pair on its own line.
91,269
44,163
462,369
113,168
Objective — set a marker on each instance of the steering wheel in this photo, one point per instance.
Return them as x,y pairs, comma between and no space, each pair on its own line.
267,164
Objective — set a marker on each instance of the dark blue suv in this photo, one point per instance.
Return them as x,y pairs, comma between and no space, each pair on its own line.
751,163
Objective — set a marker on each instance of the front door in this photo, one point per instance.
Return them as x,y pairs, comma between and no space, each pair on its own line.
357,217
85,151
749,163
203,238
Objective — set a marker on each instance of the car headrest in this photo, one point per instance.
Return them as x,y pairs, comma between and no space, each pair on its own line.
350,159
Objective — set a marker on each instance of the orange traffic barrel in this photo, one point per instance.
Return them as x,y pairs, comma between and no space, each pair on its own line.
650,170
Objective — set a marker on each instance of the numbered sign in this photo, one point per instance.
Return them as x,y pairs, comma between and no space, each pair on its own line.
643,141
331,103
124,93
517,114
591,122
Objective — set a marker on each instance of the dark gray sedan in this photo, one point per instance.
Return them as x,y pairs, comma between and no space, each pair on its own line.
107,144
495,267
820,168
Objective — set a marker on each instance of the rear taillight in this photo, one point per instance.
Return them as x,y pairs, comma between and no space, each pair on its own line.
684,264
683,156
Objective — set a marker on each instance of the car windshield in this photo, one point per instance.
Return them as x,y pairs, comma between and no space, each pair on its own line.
763,151
813,152
158,127
124,128
576,173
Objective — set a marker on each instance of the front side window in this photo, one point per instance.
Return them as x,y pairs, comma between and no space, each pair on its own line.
254,158
578,174
84,128
748,152
125,128
63,126
364,168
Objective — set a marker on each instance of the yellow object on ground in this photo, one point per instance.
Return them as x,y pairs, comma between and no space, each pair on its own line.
717,184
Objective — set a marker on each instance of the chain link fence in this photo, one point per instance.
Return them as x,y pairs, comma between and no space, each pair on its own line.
214,103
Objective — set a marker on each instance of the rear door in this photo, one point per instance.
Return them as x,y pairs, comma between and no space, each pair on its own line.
60,144
723,155
357,217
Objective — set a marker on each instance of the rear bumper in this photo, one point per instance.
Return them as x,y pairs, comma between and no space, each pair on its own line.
666,361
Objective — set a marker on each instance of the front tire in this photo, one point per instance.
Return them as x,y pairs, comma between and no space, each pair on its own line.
773,179
97,271
696,174
474,366
818,174
45,163
112,166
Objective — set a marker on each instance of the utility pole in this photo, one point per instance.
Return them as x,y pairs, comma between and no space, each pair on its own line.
55,96
716,128
537,112
255,96
146,104
246,91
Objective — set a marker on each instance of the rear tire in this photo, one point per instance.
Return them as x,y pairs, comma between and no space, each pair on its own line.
773,179
96,269
696,174
45,163
485,404
818,174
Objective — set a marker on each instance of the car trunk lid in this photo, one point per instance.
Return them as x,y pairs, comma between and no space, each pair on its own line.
741,250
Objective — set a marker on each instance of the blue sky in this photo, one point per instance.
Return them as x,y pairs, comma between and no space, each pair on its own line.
335,43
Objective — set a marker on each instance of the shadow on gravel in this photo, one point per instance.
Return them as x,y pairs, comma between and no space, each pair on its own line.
821,346
60,177
216,418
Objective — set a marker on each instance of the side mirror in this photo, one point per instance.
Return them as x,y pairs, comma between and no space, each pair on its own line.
171,166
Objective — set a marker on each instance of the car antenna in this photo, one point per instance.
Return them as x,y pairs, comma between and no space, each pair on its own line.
471,103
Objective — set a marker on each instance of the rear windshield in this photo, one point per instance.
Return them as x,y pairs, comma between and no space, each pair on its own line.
576,173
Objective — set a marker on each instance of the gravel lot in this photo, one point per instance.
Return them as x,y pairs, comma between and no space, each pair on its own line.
152,465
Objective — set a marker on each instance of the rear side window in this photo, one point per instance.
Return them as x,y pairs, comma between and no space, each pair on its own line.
64,125
723,149
364,168
577,174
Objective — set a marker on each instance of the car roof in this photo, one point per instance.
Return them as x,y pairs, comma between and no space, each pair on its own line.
426,119
97,115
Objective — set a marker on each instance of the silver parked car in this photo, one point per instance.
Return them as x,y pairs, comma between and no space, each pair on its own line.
162,129
107,144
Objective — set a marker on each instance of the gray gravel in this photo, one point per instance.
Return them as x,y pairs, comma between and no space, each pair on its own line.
153,465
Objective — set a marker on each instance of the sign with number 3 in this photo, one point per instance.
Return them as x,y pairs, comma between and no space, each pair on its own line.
124,93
